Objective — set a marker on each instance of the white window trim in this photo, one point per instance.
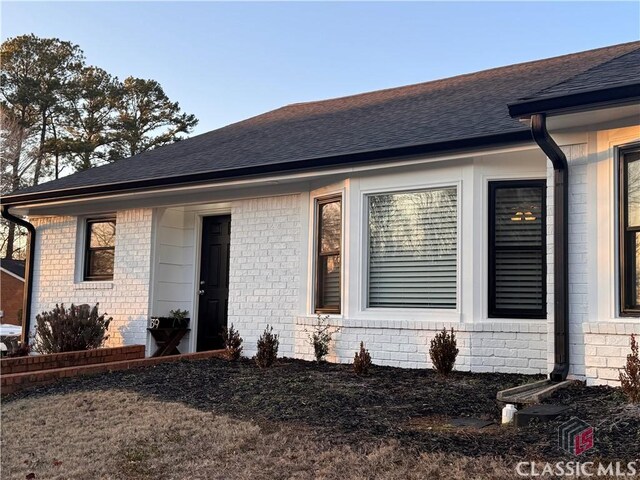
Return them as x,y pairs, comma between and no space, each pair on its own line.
605,287
79,283
425,314
201,211
617,145
319,194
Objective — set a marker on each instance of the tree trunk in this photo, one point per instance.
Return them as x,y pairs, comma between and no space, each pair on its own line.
11,235
15,184
43,136
86,161
57,155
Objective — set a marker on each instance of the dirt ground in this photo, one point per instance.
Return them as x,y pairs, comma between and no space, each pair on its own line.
214,419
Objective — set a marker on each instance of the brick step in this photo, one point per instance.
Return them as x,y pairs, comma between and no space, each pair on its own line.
14,382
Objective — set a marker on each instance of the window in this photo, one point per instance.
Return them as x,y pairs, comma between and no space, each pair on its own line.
413,249
99,249
328,265
517,249
630,231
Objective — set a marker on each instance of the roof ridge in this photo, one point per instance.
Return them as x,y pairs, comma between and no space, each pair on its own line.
600,65
461,75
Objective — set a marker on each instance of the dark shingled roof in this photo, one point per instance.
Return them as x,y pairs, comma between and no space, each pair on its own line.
620,70
14,266
451,109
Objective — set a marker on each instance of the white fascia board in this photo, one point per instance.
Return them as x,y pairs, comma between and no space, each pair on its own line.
58,207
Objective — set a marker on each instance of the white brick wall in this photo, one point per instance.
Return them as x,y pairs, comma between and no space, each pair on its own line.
597,349
126,298
484,347
578,268
578,257
264,288
267,282
264,277
607,345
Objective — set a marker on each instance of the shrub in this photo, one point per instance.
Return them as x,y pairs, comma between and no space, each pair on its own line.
443,351
66,330
630,374
20,349
320,337
232,343
267,348
362,361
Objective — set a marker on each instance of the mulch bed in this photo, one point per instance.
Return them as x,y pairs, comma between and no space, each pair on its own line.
411,406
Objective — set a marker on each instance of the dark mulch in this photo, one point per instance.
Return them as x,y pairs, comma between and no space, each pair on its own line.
411,406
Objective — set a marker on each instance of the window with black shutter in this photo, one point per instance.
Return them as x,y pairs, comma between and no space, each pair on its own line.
517,249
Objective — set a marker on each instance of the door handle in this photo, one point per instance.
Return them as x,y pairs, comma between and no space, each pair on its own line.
200,292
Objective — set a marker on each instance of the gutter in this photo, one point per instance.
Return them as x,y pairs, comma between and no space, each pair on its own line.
106,189
560,245
28,269
598,98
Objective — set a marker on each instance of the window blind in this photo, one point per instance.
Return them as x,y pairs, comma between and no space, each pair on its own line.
517,249
413,249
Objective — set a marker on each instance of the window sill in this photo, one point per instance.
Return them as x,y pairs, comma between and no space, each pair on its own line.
415,314
98,285
514,319
613,326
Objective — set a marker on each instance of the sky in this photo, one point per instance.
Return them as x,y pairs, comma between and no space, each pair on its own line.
227,61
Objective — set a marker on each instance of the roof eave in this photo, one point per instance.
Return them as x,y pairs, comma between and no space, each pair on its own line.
597,98
104,190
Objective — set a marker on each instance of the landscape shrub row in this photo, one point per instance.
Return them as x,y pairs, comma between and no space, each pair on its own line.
82,327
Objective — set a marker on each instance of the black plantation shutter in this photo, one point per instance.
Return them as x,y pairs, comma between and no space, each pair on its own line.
517,249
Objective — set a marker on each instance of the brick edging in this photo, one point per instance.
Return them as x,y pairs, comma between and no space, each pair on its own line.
35,363
12,383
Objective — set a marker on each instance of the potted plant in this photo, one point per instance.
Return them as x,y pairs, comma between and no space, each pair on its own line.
176,319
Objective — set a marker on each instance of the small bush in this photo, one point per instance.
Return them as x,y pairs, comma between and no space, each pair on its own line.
67,330
232,343
320,337
443,351
267,348
20,349
362,361
630,374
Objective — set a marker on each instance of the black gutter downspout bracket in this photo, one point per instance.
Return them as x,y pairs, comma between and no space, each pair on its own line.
560,245
28,269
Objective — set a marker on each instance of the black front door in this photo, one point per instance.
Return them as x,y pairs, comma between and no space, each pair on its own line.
214,281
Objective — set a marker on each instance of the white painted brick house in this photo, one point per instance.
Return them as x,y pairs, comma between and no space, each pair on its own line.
396,213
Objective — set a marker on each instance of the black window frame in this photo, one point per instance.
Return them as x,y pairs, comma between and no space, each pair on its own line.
493,311
318,308
625,235
87,276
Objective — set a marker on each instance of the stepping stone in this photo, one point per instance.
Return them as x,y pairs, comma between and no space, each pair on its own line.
541,413
470,422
